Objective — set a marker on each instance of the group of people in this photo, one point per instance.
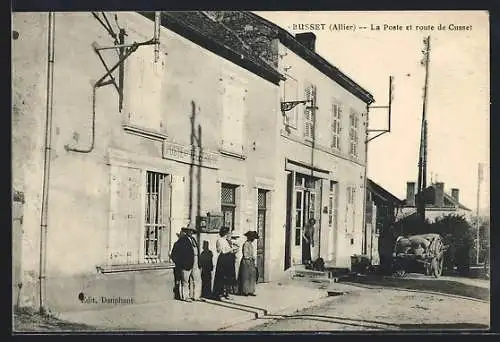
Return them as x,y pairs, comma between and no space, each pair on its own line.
193,270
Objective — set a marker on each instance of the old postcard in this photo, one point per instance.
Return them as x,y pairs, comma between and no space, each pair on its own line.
250,171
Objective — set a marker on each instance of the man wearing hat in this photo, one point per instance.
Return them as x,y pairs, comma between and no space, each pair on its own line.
185,255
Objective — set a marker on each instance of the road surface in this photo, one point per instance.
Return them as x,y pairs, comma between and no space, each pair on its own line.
383,309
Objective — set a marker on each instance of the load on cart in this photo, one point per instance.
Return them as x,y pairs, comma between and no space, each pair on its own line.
419,254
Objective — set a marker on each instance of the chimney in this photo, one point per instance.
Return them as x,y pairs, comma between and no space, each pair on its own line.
439,194
410,193
455,194
308,39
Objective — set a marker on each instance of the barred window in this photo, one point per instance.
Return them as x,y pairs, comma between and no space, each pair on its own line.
228,204
155,217
261,214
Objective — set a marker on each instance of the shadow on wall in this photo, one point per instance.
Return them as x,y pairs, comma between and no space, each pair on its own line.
196,153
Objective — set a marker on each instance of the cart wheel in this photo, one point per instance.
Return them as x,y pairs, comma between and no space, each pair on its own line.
437,267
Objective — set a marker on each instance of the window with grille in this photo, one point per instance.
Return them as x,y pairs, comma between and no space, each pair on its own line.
309,94
336,127
228,204
353,133
155,221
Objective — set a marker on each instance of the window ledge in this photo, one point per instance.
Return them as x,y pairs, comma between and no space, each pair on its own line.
134,267
144,132
232,154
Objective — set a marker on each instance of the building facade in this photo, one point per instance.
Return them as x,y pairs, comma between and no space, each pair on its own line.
321,150
189,130
382,208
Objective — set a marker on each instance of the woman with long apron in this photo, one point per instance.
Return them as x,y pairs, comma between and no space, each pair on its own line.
248,273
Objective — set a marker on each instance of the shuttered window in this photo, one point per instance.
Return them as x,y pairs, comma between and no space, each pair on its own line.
336,119
351,208
125,216
233,108
291,93
143,89
353,133
139,230
309,94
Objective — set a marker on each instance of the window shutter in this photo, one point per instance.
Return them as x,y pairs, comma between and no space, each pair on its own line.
178,213
233,117
291,94
143,95
166,233
125,215
309,94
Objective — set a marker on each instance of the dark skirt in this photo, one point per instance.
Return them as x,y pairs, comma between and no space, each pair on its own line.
206,283
306,252
225,274
247,277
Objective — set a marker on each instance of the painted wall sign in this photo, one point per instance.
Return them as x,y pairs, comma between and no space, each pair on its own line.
190,155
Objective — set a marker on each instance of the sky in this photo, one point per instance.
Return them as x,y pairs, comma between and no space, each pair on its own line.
458,91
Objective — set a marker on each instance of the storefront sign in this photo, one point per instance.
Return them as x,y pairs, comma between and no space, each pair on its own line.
190,155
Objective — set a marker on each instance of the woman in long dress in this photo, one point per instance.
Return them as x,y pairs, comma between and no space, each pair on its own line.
247,272
225,267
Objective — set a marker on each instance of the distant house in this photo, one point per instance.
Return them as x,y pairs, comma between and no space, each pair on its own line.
382,208
437,202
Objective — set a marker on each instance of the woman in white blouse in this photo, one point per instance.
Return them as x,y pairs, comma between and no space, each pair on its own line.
225,265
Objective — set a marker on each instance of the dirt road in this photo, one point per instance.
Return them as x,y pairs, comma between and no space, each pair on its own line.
385,309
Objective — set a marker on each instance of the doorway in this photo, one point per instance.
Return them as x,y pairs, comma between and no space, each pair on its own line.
262,214
288,224
303,195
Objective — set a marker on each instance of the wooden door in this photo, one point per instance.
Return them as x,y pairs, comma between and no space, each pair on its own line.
262,214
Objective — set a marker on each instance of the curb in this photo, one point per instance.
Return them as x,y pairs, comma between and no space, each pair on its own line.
272,315
281,314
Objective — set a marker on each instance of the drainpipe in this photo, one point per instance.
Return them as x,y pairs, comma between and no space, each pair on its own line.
365,239
46,167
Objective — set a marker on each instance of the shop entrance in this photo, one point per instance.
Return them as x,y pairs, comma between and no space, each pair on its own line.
303,194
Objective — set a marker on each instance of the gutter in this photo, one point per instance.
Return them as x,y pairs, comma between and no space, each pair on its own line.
46,167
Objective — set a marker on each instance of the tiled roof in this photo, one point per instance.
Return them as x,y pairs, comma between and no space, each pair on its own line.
380,191
318,61
216,37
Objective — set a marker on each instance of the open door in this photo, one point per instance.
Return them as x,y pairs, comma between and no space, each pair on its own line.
288,228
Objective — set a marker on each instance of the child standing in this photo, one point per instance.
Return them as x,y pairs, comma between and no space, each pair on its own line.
206,265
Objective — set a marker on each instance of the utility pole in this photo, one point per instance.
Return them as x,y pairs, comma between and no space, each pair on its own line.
479,179
422,162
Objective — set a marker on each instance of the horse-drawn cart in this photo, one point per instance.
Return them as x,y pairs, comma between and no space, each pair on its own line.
419,254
